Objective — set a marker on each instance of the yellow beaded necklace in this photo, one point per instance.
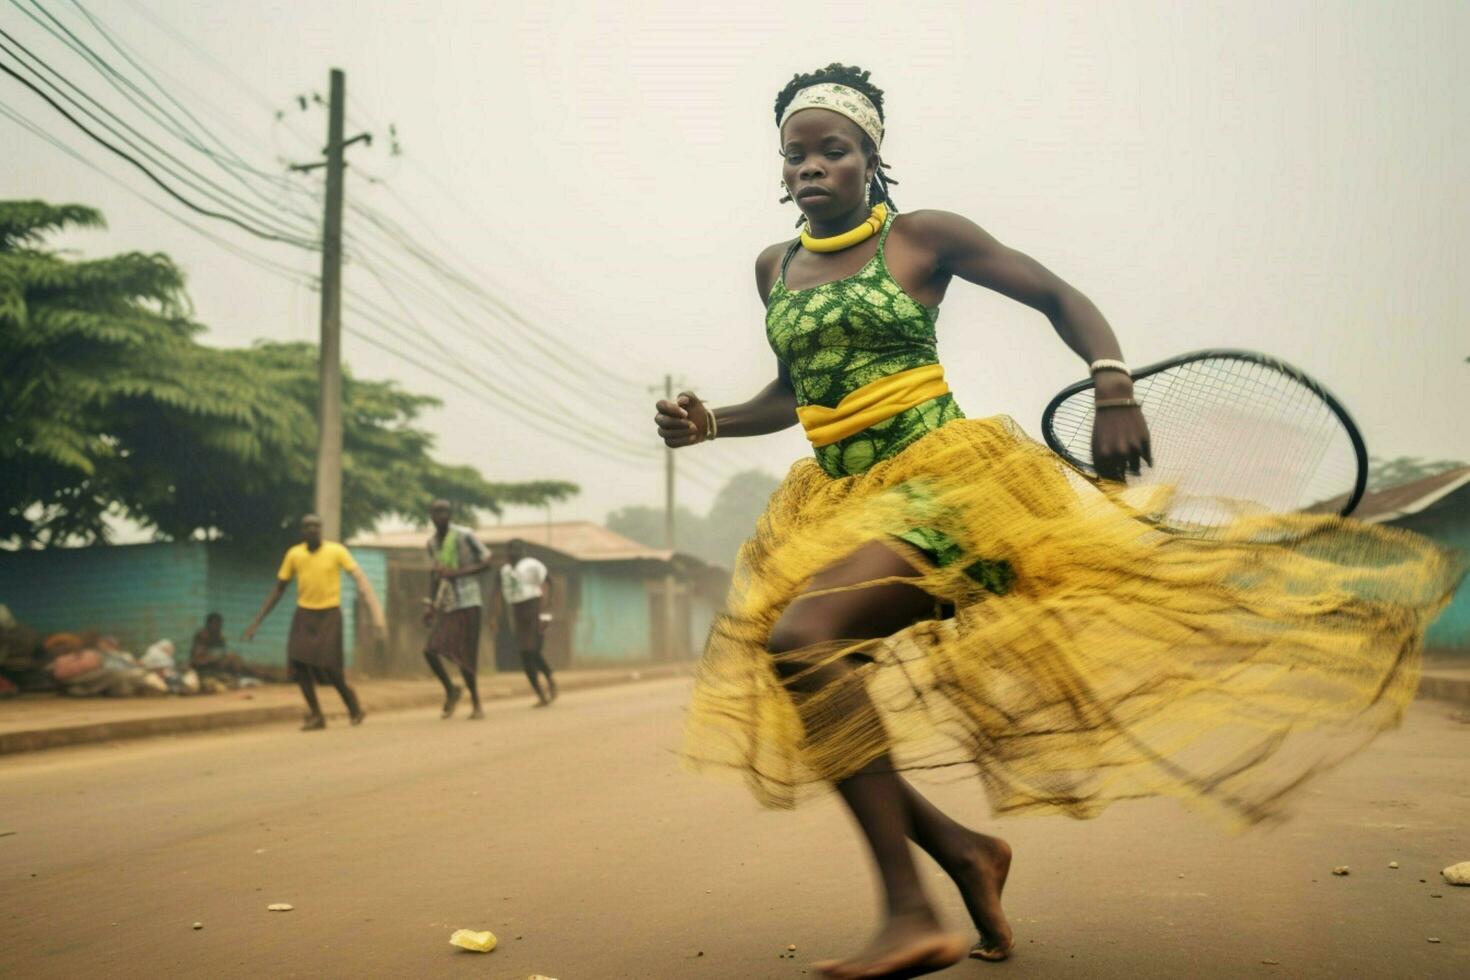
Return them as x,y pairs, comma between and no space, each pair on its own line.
847,239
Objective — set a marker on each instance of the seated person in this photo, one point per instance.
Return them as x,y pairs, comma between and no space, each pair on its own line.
209,656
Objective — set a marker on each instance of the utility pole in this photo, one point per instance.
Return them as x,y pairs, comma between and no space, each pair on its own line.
669,540
329,411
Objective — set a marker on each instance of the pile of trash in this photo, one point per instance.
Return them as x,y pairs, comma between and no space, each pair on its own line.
85,666
89,664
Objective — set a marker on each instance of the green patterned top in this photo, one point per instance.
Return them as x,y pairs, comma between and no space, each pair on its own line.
838,336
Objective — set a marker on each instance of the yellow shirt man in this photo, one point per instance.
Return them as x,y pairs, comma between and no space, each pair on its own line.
317,573
315,644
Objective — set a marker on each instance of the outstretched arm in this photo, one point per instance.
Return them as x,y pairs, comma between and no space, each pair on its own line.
265,610
962,248
365,589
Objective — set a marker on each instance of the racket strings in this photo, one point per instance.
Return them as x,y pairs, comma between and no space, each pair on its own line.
1231,436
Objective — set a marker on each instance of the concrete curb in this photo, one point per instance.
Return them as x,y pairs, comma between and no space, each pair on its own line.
52,738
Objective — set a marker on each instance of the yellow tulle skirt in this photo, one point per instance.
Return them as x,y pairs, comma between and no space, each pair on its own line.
1108,660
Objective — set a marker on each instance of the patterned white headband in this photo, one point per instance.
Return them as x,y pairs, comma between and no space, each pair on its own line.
840,99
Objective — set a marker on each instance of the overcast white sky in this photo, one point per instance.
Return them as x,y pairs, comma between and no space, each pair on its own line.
1285,176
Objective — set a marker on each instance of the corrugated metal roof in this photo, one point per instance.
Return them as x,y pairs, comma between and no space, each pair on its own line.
582,540
1382,506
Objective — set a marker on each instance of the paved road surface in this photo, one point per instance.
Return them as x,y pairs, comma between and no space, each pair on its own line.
573,835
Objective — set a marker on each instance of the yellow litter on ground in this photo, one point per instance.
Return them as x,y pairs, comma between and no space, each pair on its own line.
477,942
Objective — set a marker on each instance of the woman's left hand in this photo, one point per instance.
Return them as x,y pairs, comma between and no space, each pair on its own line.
1120,442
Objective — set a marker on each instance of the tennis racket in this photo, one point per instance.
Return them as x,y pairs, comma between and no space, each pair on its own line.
1233,432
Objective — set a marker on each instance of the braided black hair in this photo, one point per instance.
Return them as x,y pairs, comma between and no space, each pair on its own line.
854,78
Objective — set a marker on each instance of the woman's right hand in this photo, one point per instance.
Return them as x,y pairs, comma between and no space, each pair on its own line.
683,421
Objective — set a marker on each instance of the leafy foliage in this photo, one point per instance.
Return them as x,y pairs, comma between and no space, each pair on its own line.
715,537
109,405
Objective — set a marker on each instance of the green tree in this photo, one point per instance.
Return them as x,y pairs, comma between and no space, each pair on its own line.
715,537
109,405
733,514
646,525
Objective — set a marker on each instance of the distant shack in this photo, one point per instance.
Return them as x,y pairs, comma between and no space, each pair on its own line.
1437,507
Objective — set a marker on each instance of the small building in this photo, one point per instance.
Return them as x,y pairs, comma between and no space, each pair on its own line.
607,598
140,593
1437,507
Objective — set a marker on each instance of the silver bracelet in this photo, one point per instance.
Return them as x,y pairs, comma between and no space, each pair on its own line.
714,425
1117,403
1108,364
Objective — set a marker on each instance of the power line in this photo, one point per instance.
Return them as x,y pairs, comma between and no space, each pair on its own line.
392,231
588,441
258,261
492,303
114,78
382,323
118,151
229,162
597,442
591,439
722,469
262,100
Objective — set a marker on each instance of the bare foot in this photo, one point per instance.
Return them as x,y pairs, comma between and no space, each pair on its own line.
908,946
980,873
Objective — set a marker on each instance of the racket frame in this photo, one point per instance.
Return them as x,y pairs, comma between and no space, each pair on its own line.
1360,449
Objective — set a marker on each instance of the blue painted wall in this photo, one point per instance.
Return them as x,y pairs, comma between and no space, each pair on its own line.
612,616
146,592
1448,522
137,593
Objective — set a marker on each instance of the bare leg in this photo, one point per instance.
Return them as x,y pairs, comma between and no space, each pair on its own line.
540,664
338,680
910,940
315,719
528,663
977,863
451,693
472,682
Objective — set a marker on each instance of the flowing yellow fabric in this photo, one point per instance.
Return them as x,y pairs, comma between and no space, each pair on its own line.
872,403
1122,662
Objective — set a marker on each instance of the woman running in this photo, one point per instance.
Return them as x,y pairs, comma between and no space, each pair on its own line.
933,591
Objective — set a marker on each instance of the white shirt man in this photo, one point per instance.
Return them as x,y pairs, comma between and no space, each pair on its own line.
524,588
522,581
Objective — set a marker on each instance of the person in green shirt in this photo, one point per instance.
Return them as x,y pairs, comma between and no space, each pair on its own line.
457,558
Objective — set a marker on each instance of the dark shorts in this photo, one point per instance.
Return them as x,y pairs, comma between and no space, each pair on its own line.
456,637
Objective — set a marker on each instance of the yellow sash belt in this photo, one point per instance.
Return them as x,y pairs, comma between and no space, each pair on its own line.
871,404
